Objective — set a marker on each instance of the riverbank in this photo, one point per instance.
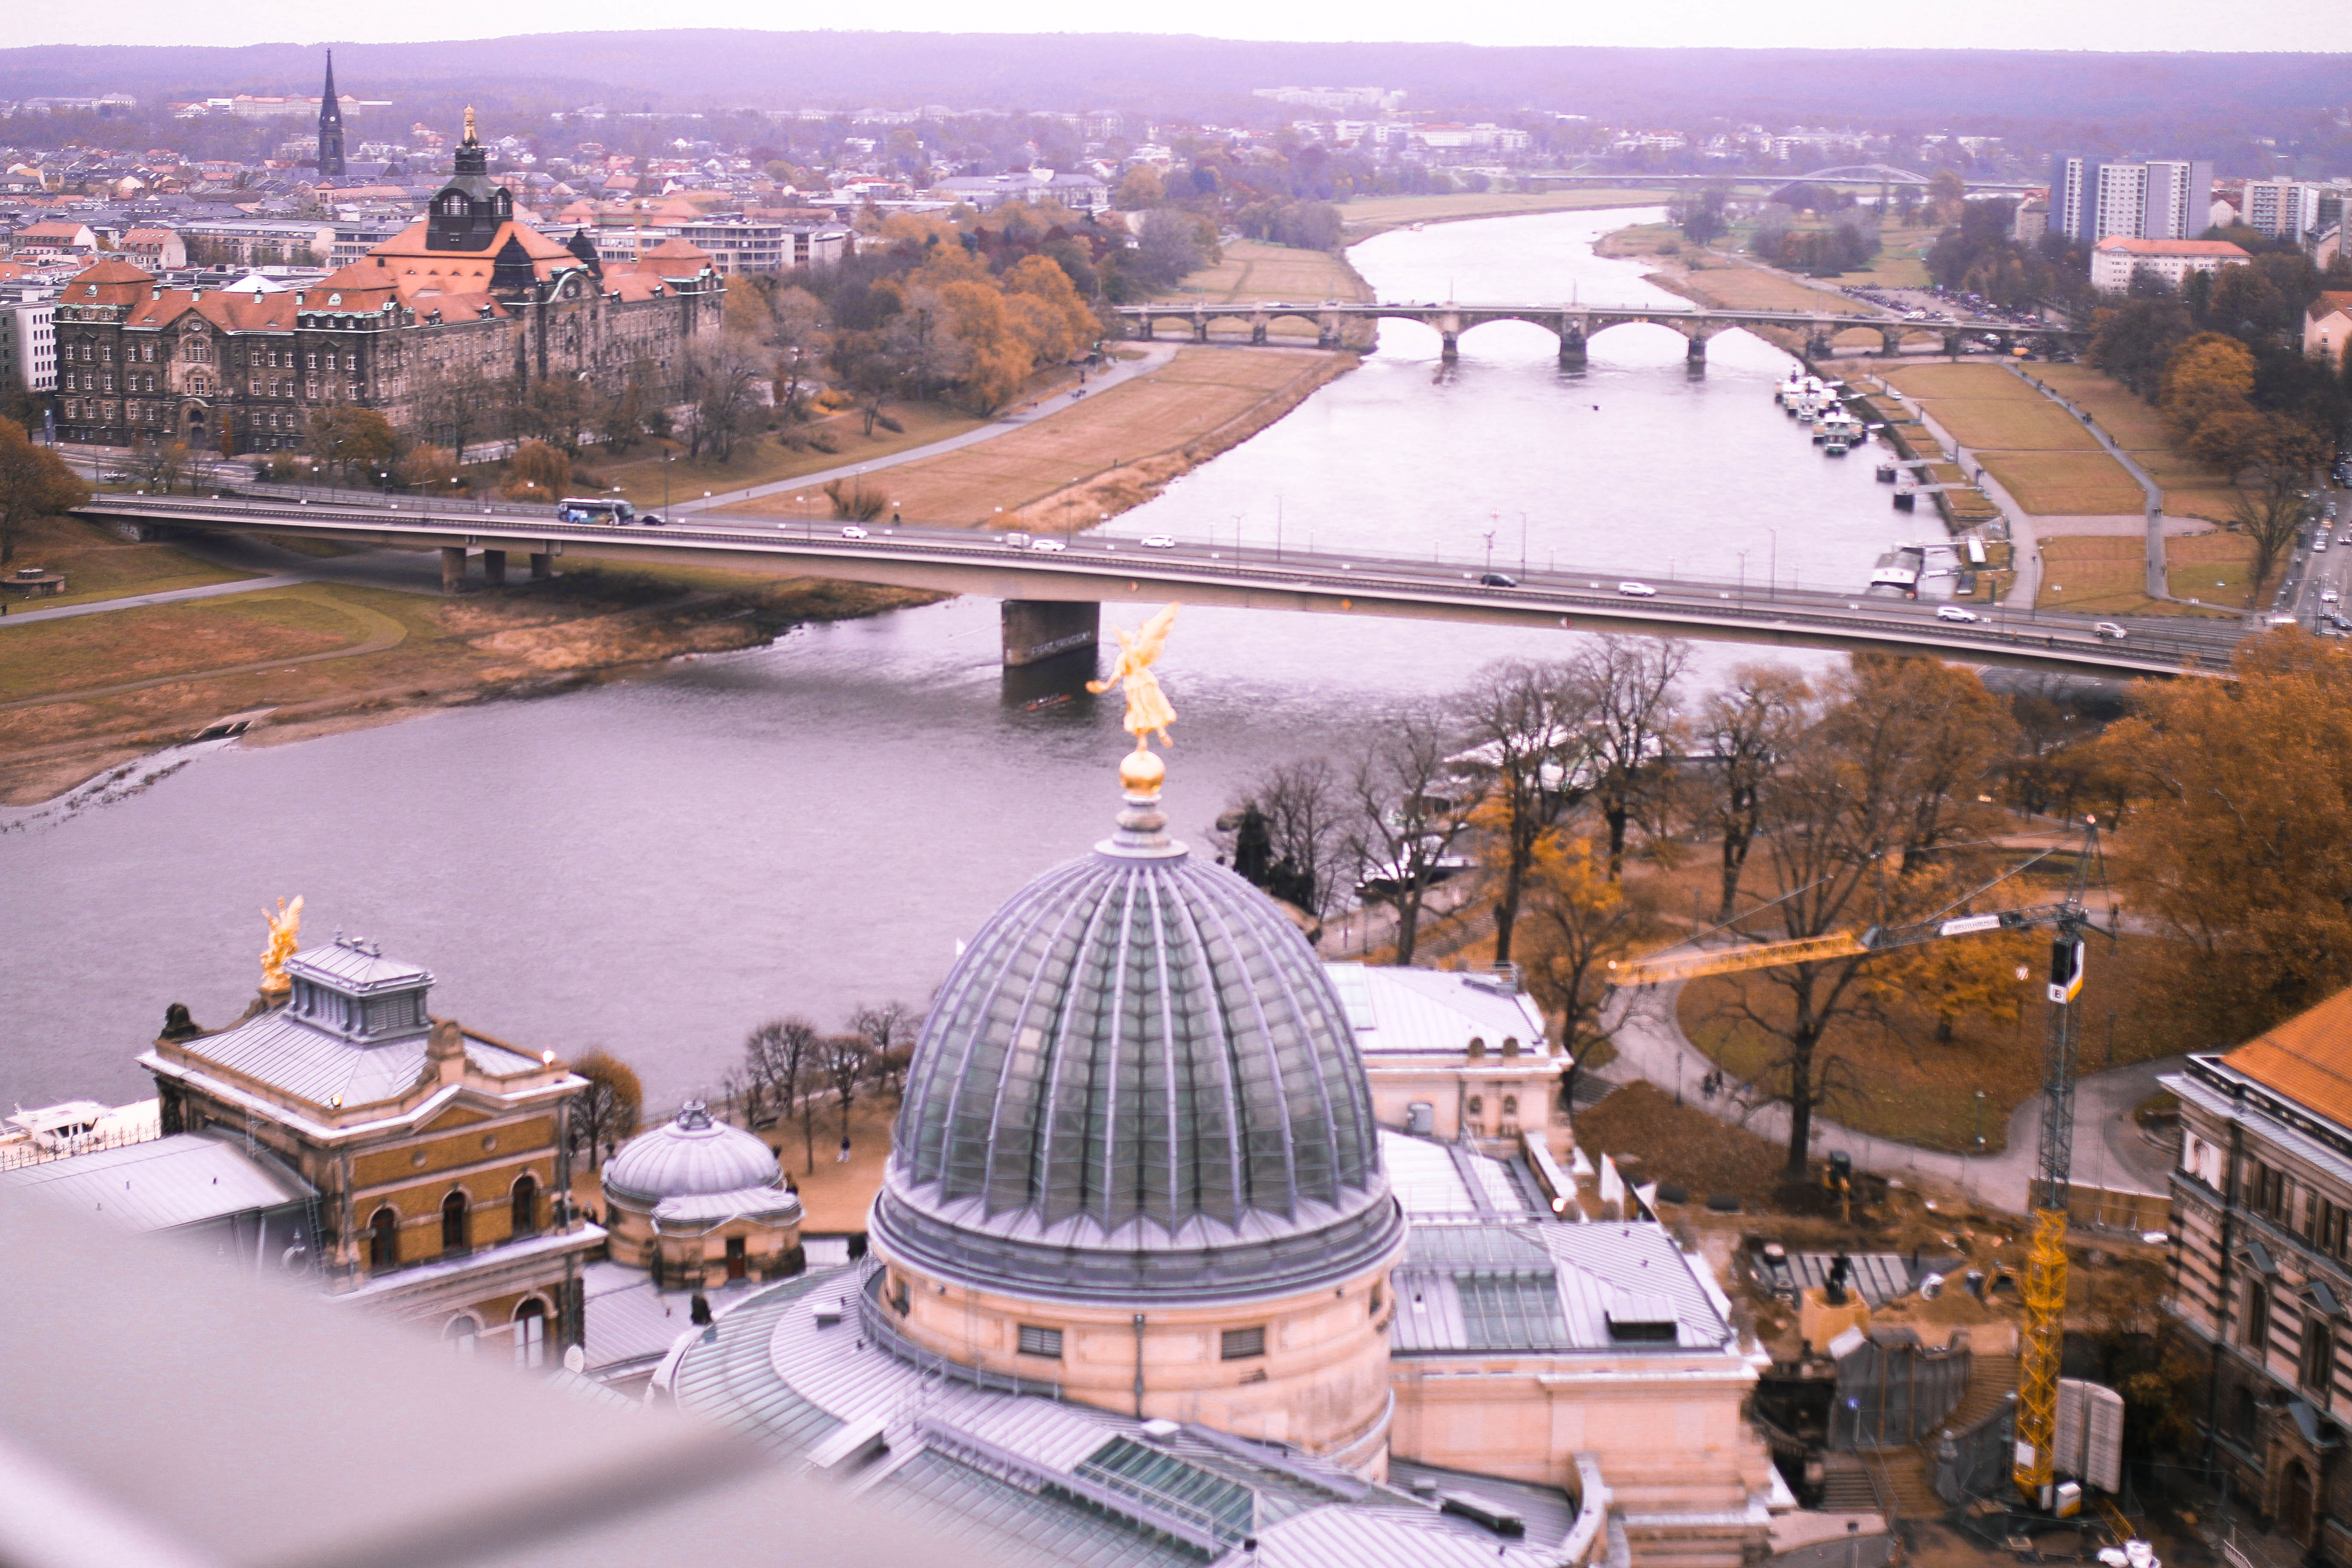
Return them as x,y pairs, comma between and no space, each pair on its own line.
1112,452
1365,217
84,696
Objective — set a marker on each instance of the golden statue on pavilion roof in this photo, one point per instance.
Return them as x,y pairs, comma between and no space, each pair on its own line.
1148,712
285,936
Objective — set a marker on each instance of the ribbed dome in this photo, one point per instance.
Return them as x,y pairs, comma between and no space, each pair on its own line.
689,1157
1137,1076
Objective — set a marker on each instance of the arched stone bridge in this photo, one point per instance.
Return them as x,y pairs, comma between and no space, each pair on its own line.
1577,325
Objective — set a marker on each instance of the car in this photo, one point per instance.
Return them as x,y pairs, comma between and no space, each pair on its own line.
2331,598
1157,541
1049,546
2109,629
1497,580
652,520
853,531
1637,590
1953,613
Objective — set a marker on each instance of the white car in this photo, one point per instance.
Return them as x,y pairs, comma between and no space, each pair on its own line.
2331,598
1953,613
1050,546
1637,590
853,531
2109,629
1157,541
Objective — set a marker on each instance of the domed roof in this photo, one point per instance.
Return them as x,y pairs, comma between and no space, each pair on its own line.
1138,1078
690,1156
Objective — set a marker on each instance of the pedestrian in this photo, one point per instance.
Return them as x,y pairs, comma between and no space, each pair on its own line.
843,1158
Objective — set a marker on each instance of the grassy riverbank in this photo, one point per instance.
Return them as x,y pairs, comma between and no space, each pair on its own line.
1367,217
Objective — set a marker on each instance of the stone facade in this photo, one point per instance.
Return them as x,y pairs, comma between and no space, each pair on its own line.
468,300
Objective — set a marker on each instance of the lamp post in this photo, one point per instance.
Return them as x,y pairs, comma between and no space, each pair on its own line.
1775,590
1980,1121
1490,552
1523,545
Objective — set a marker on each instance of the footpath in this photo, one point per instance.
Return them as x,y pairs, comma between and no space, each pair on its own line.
2108,1151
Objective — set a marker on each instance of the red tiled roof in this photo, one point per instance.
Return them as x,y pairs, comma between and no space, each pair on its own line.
2308,1058
2331,302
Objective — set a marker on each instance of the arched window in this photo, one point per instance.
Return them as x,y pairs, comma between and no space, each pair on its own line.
460,1333
453,1222
1477,1047
531,1332
383,1240
526,1205
1510,1105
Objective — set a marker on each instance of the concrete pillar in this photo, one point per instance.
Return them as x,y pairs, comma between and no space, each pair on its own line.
1890,341
1039,629
1200,330
1327,335
494,568
1952,345
1696,353
1451,342
1143,325
542,566
453,568
1571,347
1820,347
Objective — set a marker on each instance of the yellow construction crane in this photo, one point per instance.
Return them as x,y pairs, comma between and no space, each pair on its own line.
2044,1289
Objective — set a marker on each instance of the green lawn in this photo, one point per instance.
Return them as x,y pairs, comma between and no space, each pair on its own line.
99,564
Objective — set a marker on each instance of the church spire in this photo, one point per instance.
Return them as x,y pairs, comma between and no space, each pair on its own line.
330,127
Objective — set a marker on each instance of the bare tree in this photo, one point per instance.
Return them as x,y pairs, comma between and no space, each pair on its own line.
846,1060
1301,820
1746,727
1528,724
889,1033
802,329
722,379
1410,805
781,1056
1635,725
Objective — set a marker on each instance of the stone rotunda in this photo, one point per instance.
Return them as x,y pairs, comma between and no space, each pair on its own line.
1137,1160
699,1203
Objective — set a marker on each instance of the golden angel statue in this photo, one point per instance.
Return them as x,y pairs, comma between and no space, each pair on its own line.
1147,712
285,936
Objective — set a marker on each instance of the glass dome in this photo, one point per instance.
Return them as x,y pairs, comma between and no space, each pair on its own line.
1137,1076
690,1156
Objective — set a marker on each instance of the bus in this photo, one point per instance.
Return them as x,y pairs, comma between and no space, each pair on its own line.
595,509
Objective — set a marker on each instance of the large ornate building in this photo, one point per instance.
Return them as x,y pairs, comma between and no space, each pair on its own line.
468,300
1149,1283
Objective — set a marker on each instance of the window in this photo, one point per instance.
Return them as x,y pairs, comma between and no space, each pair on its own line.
460,1333
1041,1342
2269,1192
453,1222
1241,1344
530,1333
526,1205
383,1240
2317,1358
1477,1105
1477,1047
1510,1105
2258,1316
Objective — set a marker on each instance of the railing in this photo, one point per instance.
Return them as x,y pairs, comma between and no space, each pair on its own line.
873,1317
15,1156
1735,604
1160,1516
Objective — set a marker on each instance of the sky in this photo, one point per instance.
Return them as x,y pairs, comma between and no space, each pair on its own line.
2317,26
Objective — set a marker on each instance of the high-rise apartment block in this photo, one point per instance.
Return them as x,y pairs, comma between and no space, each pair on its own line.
2284,209
2159,199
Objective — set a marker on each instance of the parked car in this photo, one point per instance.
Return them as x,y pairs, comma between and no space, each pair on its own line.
1637,590
2109,629
853,531
1497,580
1953,613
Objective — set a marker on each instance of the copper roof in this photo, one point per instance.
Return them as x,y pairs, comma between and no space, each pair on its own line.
2308,1058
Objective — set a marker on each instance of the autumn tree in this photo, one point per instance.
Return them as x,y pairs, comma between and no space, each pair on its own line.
1139,189
1579,919
1527,726
1411,807
1744,728
604,1115
342,439
33,482
538,471
2206,395
1635,720
427,467
2242,803
801,332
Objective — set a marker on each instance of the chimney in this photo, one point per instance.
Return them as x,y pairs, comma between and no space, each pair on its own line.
445,1051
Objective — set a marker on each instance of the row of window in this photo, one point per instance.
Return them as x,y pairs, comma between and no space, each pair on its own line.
456,1223
2270,1192
2314,1347
1233,1345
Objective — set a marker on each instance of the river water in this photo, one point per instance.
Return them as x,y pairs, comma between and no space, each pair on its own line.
659,865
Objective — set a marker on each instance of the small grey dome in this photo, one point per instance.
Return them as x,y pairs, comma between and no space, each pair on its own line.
690,1156
1137,1076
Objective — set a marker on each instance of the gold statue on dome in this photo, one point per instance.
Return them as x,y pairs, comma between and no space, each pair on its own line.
470,125
1147,712
285,936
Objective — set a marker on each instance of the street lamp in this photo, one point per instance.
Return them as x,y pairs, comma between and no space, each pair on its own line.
1775,589
1980,1121
1490,551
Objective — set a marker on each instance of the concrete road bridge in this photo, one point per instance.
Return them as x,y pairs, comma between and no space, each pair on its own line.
1850,176
1577,325
1052,598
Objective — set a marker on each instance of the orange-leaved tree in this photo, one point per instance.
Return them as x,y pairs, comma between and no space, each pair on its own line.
33,482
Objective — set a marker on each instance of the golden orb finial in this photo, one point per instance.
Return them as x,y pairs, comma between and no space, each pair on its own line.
1142,772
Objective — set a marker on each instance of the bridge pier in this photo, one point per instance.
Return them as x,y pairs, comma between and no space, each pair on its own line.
1258,330
1327,331
494,568
1571,347
1953,345
1890,342
1200,330
1039,629
542,566
1450,344
453,568
1143,325
1695,356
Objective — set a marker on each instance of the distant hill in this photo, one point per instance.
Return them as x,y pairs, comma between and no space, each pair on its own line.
1886,89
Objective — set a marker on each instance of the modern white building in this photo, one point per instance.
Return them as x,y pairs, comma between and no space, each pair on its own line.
2159,199
2115,261
29,346
2284,209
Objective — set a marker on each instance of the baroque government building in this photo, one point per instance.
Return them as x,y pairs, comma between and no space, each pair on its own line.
468,300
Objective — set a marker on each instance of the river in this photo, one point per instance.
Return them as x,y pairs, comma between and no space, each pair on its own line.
657,865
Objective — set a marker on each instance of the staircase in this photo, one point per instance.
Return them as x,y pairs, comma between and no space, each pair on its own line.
1991,1379
1903,1479
1847,1485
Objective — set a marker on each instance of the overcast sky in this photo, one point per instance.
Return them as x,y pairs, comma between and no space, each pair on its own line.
2289,25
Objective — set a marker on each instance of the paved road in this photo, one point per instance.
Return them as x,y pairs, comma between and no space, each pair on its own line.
1119,371
15,617
2109,1152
